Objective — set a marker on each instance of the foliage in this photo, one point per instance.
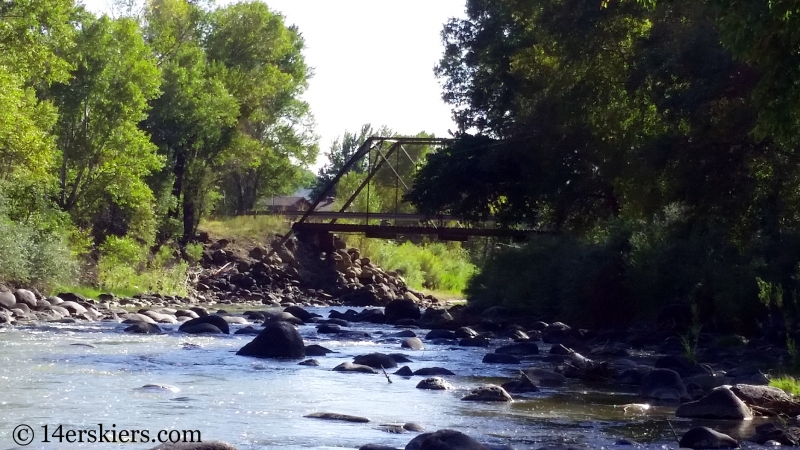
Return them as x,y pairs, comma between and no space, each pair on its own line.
104,156
432,266
35,249
265,71
788,384
125,265
659,118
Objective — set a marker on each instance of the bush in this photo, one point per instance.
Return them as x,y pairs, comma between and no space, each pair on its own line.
557,277
434,266
126,266
630,271
35,250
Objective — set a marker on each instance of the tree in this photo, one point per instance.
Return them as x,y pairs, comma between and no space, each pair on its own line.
104,156
265,71
194,119
341,151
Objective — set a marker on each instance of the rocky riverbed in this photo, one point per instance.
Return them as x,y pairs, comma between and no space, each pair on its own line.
341,357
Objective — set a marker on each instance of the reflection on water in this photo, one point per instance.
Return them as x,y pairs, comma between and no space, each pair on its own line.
261,403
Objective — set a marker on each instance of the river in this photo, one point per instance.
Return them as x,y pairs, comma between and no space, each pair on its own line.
255,404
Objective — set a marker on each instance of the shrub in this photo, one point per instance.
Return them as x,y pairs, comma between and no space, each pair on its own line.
126,266
35,249
434,266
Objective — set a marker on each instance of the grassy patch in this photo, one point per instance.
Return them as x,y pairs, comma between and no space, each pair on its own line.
437,266
127,266
246,229
789,384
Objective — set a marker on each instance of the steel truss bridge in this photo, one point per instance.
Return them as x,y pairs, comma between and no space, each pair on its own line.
378,152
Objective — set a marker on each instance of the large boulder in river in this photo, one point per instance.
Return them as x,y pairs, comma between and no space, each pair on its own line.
444,440
704,437
192,326
720,403
401,309
376,360
663,384
277,340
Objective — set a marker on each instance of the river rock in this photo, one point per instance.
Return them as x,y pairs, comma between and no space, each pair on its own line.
235,320
770,398
212,319
679,364
404,371
432,371
444,440
706,438
329,328
309,362
202,328
7,300
277,340
370,316
281,317
350,367
466,333
73,307
545,377
208,445
337,416
377,447
720,403
488,393
440,334
500,358
435,384
299,312
143,328
402,334
401,309
521,385
400,358
519,349
477,341
186,313
663,384
772,432
413,343
376,360
251,330
26,297
317,350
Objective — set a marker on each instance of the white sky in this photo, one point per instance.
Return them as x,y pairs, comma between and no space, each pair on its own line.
373,62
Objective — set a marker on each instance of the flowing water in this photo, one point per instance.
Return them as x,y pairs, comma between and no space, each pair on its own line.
256,404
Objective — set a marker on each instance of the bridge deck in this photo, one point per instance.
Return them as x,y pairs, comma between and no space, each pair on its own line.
388,231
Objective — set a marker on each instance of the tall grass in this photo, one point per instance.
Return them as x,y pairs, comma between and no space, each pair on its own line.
125,266
789,384
246,228
433,266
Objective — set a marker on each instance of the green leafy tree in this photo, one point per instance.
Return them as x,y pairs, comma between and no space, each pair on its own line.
193,121
265,71
104,156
